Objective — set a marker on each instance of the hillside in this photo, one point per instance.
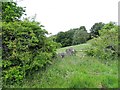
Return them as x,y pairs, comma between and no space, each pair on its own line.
80,71
29,58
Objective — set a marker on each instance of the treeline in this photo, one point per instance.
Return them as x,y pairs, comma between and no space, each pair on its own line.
103,38
25,46
77,35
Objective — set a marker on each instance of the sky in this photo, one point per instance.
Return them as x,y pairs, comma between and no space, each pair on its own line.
63,15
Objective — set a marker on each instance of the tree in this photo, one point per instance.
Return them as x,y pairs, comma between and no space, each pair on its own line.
60,38
73,36
65,38
80,36
95,29
11,11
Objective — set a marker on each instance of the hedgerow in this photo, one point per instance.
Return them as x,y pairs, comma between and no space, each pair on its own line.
25,49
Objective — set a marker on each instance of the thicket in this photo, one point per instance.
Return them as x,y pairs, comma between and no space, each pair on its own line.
105,46
25,49
25,46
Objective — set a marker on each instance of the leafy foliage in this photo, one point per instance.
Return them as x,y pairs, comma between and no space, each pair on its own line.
65,38
105,46
80,71
25,49
72,36
80,36
11,12
95,29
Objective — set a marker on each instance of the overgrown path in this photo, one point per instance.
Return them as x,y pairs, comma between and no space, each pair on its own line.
78,71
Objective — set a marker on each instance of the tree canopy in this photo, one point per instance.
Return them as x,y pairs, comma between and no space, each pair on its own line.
11,11
95,29
73,36
80,36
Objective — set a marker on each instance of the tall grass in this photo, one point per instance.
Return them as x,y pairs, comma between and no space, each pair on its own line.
80,71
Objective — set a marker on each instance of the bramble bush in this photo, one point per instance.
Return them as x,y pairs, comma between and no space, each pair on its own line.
108,38
26,49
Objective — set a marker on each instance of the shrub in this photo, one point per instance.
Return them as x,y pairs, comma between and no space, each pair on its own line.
25,50
108,38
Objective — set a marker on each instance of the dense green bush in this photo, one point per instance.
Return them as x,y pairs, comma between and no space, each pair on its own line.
25,50
108,38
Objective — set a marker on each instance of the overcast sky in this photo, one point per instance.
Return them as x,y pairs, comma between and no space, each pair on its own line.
63,15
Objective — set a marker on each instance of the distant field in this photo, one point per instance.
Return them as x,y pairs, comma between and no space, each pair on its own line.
80,71
76,47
